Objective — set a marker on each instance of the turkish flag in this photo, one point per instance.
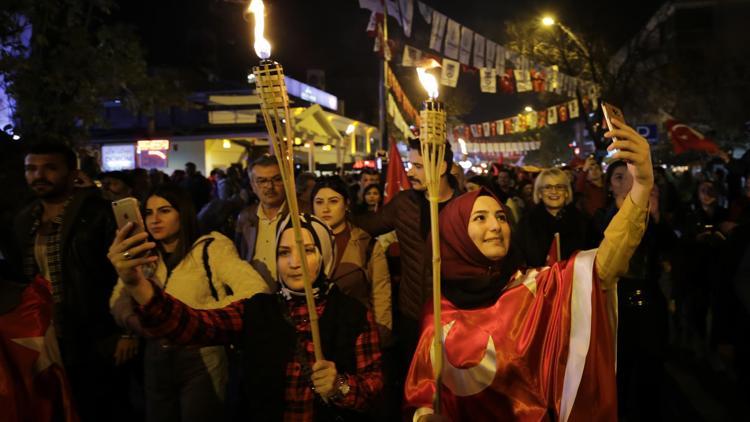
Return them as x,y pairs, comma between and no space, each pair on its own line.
396,179
33,385
685,138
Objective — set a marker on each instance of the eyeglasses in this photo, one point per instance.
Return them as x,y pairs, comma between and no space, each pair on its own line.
262,181
551,188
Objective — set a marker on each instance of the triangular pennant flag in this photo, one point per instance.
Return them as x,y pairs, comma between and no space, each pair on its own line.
452,39
467,38
449,74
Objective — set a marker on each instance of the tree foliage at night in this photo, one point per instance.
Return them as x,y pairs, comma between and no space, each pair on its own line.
75,60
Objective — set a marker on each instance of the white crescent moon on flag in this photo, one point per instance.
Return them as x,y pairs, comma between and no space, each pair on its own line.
469,381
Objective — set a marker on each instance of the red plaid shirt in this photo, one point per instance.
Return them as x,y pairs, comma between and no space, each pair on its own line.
165,316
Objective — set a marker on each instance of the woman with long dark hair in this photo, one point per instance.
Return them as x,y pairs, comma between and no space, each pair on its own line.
205,272
280,379
361,269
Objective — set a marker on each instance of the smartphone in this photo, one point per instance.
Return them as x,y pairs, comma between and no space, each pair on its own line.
611,112
127,211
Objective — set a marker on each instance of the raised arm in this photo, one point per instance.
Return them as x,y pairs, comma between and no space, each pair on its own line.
625,231
165,316
160,314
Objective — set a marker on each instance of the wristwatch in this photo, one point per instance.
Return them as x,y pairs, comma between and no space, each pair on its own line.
342,387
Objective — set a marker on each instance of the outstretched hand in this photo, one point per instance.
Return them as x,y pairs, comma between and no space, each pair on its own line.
636,152
127,255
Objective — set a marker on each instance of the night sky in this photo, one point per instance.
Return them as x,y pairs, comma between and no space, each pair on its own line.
210,41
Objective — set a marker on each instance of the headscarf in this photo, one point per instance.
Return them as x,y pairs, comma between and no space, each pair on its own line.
469,278
326,246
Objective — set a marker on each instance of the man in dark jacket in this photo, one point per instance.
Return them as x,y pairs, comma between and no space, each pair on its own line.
64,235
408,213
255,234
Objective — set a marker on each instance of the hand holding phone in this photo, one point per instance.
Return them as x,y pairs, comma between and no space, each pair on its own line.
130,248
611,112
127,211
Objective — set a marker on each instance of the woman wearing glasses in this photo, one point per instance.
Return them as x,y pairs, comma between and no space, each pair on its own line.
552,213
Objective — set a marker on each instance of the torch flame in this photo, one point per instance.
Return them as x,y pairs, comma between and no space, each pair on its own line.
261,45
429,83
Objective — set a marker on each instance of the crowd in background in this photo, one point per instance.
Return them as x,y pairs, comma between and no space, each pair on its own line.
686,295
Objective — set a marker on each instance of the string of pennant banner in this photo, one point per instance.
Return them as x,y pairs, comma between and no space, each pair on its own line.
502,70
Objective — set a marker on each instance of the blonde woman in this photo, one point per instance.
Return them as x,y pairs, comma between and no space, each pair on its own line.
552,213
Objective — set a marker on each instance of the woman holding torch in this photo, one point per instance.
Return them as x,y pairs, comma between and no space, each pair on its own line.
534,345
280,378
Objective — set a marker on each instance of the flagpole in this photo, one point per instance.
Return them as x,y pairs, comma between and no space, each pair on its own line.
383,86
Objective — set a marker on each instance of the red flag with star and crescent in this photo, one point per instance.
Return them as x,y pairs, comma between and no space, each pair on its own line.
544,350
33,385
685,138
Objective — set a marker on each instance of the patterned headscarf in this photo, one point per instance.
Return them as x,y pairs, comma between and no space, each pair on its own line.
326,246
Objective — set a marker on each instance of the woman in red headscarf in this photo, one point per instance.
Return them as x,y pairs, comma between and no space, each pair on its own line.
534,344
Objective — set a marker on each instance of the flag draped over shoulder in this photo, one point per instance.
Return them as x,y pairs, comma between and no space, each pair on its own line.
33,385
544,351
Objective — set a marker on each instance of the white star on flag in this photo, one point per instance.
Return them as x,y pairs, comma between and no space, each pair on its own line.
49,352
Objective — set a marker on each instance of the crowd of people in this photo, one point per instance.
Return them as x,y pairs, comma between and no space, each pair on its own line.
203,316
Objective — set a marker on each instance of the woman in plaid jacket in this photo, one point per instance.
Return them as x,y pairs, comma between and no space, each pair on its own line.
280,380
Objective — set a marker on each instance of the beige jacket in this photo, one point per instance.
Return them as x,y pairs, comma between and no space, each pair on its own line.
367,281
189,281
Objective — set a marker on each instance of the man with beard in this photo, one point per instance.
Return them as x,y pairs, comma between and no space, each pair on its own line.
64,236
255,235
408,213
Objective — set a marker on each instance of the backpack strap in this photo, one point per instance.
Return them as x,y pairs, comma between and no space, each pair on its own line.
207,267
